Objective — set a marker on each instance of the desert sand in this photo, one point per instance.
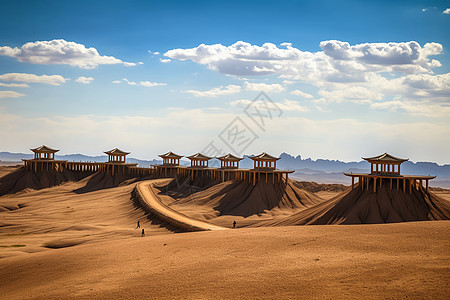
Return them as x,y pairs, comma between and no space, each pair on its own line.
78,240
385,261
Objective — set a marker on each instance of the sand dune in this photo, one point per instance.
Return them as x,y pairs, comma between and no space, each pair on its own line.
385,261
21,179
57,217
225,202
365,207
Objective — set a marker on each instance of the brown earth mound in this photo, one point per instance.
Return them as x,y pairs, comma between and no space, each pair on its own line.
22,179
315,187
240,198
366,207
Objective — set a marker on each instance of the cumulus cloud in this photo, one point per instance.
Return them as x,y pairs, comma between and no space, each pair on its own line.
84,80
263,87
336,62
360,73
447,11
60,52
14,84
150,84
301,94
142,83
217,91
285,105
356,94
164,61
32,78
10,94
413,107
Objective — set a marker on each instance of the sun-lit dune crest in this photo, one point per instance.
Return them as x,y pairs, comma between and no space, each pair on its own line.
240,198
359,206
22,179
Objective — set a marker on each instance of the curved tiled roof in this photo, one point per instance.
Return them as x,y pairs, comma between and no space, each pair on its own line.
264,156
116,151
44,148
229,156
385,158
199,156
170,154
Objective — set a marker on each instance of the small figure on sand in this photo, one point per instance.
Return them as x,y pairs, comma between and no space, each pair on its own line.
234,224
143,232
138,225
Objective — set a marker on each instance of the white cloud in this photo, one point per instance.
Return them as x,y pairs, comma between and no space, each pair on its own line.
142,83
334,63
156,53
14,84
356,94
60,52
263,87
164,60
447,11
10,94
360,73
32,78
129,82
302,94
285,105
150,84
218,91
414,108
84,80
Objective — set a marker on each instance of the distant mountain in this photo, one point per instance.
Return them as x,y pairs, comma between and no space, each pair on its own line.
320,170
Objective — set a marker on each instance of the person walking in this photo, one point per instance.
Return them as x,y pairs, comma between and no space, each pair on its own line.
143,232
138,225
234,224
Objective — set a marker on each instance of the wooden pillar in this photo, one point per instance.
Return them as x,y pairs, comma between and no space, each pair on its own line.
390,184
368,179
375,184
404,185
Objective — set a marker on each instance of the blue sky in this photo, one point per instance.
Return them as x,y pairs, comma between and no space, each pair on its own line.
351,78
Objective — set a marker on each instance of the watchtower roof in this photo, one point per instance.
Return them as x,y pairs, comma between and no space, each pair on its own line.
264,156
229,157
387,158
170,154
116,151
199,156
44,149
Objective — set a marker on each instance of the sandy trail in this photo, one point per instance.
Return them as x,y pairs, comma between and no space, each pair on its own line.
147,190
383,261
33,221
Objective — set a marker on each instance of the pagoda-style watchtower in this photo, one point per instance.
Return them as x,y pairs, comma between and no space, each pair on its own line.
199,160
44,152
117,162
171,159
170,165
264,161
229,161
265,165
116,155
386,168
44,160
385,164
